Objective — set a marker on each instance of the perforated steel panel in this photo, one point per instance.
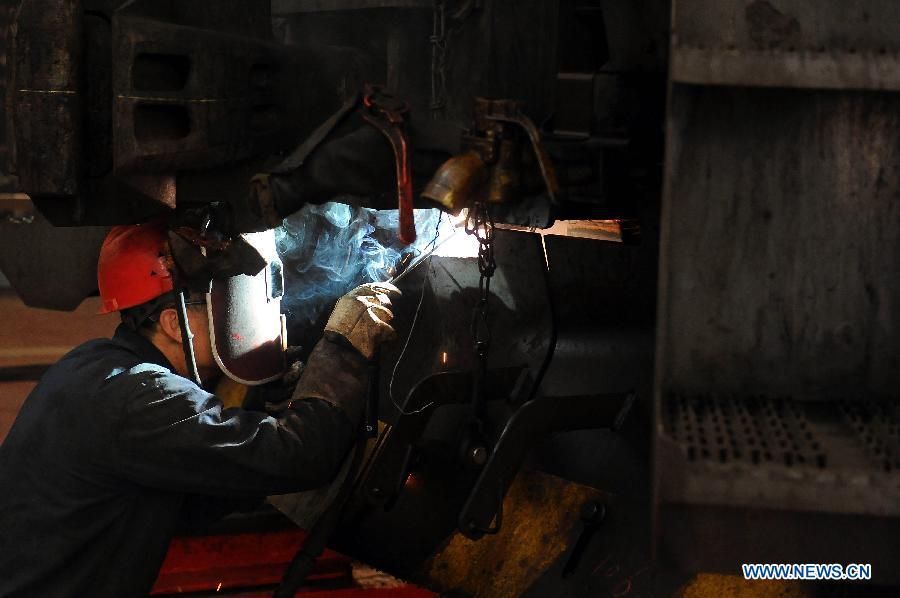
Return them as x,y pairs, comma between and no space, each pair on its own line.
755,431
824,456
877,428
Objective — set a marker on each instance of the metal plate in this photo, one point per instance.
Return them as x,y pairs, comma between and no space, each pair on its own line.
518,313
787,43
781,244
49,267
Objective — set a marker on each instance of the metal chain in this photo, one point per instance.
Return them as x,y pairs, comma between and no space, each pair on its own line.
480,223
438,41
446,23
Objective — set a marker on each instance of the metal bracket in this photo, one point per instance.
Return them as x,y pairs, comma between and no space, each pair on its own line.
534,419
386,471
510,112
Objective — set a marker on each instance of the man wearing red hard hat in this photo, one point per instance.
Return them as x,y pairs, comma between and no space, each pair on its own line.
120,433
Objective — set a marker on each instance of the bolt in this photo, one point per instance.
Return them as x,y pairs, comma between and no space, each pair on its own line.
593,513
478,455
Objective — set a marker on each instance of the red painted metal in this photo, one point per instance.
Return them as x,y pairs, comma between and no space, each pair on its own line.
388,114
406,591
211,563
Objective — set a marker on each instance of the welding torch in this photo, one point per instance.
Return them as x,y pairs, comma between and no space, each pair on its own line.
421,258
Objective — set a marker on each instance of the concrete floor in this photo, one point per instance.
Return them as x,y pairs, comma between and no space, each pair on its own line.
31,336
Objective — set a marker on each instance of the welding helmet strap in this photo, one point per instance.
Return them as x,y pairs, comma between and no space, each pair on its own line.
187,337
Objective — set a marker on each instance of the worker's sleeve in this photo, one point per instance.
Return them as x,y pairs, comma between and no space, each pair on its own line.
177,437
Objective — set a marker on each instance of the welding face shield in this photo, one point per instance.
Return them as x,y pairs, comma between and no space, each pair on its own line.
246,328
243,283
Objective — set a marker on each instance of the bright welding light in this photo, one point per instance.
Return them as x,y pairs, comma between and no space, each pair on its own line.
329,249
453,240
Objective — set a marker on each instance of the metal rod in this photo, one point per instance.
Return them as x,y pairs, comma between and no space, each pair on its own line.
187,337
371,415
418,261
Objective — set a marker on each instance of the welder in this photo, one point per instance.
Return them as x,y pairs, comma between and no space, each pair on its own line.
116,437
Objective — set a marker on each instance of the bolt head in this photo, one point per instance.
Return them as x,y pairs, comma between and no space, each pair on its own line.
593,512
478,455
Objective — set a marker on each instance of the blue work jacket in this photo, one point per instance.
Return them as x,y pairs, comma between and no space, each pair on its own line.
109,444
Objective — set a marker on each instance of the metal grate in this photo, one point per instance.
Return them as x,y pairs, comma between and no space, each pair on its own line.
755,431
785,432
876,426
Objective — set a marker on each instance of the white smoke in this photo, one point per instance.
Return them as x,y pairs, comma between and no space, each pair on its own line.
331,248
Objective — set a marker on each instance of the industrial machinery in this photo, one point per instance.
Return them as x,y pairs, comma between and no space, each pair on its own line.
714,382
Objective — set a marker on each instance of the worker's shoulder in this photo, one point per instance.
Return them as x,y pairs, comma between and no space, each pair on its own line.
111,370
108,363
99,354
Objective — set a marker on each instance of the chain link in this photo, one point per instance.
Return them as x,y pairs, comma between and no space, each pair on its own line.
448,17
438,41
480,223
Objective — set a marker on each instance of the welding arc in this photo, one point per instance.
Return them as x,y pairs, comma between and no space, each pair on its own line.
418,261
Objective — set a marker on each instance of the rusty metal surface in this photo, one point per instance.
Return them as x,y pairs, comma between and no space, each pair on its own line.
785,24
778,307
43,81
168,103
286,7
711,585
190,106
767,68
245,18
787,43
535,419
494,49
160,87
7,11
781,242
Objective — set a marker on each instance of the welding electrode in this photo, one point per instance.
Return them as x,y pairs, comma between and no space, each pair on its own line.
418,261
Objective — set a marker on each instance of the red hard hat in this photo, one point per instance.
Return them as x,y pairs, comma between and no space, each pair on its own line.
132,266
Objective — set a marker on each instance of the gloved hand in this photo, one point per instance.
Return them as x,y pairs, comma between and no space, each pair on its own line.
274,397
363,317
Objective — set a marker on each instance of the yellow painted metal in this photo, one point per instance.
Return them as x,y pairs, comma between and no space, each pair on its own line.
539,514
710,585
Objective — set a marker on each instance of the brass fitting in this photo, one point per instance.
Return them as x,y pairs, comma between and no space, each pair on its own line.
455,182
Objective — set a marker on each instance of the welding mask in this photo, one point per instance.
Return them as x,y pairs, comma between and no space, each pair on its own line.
246,327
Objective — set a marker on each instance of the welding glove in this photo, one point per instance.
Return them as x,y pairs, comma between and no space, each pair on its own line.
363,317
